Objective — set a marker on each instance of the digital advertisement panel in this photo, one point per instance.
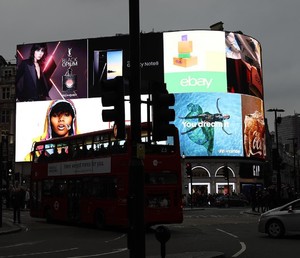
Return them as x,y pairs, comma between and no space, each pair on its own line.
84,115
244,73
253,127
107,64
209,124
45,123
217,81
195,61
216,78
109,57
55,70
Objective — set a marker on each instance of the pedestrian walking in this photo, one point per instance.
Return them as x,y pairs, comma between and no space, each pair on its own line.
27,199
17,200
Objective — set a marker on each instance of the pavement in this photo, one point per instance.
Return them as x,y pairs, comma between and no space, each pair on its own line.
8,228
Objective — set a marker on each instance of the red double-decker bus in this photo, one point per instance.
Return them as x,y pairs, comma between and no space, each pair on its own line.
85,179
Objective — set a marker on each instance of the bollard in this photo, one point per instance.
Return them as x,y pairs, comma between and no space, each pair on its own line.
162,235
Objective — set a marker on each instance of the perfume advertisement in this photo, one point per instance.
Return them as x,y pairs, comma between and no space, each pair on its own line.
53,70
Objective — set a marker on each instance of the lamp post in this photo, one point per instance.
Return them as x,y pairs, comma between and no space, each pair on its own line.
276,110
294,139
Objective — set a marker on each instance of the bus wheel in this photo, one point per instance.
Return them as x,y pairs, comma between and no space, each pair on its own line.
99,219
49,216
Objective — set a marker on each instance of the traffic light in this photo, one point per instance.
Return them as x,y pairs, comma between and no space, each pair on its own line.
188,169
113,95
161,114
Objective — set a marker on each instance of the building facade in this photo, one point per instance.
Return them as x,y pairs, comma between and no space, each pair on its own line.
7,124
289,149
207,173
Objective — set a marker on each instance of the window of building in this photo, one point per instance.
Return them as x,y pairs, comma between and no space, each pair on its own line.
6,94
5,116
7,73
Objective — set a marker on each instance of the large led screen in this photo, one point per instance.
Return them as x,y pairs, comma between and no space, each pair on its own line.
217,81
220,124
209,124
54,70
34,121
216,77
195,61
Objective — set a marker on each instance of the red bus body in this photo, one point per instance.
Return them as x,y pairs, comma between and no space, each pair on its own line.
93,188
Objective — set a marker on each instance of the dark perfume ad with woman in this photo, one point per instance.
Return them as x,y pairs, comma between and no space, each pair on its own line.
53,70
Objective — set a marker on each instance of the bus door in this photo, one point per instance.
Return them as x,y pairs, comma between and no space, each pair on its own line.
74,194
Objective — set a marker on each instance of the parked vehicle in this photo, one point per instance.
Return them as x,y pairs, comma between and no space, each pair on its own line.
281,221
231,200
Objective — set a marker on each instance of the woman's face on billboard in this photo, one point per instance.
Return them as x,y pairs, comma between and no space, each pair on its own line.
38,54
61,123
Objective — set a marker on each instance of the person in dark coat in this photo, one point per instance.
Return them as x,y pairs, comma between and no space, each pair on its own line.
17,202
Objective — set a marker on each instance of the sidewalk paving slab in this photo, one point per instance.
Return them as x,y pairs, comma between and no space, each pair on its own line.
8,227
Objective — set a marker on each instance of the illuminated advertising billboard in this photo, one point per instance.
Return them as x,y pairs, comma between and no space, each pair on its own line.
55,70
217,81
194,61
216,78
50,74
209,124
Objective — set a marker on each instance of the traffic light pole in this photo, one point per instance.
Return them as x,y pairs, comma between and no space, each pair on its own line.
136,234
191,178
228,189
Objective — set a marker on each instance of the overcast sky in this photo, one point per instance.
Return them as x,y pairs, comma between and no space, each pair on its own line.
273,23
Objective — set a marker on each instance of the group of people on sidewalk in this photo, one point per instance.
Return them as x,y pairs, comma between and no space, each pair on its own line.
264,199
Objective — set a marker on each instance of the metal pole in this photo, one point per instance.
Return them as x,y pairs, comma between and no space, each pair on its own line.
295,174
191,177
228,188
278,160
294,161
275,110
136,234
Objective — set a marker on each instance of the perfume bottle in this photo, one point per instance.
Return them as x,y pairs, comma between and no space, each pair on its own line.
69,81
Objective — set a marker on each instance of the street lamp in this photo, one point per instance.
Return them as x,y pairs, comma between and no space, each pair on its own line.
294,139
276,110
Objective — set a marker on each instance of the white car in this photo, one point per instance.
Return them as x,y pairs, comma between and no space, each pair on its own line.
281,220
